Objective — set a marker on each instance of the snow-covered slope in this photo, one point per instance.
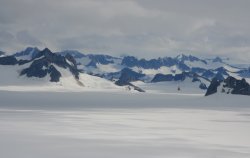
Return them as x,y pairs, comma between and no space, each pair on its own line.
186,87
71,68
47,71
11,80
106,66
123,125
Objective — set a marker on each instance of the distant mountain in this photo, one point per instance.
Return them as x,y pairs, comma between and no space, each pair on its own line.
230,85
41,63
73,53
28,54
127,75
183,58
181,77
8,60
90,60
217,59
2,53
244,73
123,71
130,61
45,63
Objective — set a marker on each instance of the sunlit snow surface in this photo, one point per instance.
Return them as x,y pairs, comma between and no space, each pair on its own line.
123,125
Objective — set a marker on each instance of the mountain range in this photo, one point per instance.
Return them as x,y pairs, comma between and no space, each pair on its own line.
72,67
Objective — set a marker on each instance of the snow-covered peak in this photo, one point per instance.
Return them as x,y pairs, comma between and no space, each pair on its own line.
217,59
27,54
74,53
41,64
181,57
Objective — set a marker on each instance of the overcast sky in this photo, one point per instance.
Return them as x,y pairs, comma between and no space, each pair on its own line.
144,28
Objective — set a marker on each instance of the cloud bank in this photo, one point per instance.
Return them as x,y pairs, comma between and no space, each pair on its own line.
145,28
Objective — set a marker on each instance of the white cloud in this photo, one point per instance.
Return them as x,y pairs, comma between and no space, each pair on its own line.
202,24
144,28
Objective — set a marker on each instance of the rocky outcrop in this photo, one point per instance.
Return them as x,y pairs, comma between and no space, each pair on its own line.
213,87
44,64
177,77
229,86
203,86
131,61
54,74
8,60
127,76
162,77
235,86
180,77
2,53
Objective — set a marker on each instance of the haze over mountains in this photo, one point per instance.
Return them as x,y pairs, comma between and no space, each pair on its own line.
183,73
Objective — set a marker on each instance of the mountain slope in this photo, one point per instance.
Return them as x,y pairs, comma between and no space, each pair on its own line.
229,86
47,70
71,66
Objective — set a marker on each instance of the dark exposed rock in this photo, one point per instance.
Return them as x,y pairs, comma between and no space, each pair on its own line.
100,59
31,52
217,59
72,65
213,87
182,66
2,53
127,76
229,85
94,58
8,60
208,74
179,61
43,65
180,77
237,86
183,58
162,77
219,76
37,69
195,79
73,53
131,61
222,71
54,74
203,86
167,61
22,62
197,70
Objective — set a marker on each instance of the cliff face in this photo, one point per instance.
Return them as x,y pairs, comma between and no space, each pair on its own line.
229,86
